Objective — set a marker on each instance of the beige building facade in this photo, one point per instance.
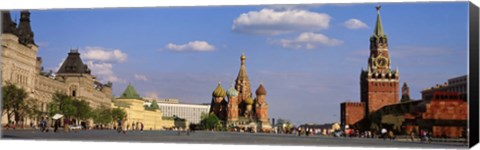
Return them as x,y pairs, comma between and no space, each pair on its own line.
133,105
21,66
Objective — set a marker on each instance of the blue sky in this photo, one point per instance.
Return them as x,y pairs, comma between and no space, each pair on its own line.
308,57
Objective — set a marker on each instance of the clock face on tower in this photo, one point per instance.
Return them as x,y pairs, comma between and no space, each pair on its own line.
381,62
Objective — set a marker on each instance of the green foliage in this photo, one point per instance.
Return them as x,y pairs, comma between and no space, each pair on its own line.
102,115
84,111
62,104
210,121
154,106
69,106
14,102
118,113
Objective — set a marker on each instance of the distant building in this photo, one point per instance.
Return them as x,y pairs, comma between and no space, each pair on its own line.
191,112
21,66
457,84
133,104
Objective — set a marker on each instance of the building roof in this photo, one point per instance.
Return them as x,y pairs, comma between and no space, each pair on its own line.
231,92
73,64
378,26
261,90
242,74
8,26
25,33
130,93
219,91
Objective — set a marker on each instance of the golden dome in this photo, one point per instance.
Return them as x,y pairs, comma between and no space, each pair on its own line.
249,101
243,57
219,92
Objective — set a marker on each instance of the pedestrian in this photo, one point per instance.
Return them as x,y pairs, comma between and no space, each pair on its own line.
141,126
391,135
384,133
56,124
119,125
429,136
412,136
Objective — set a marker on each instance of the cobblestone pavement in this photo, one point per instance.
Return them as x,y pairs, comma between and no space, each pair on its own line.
208,137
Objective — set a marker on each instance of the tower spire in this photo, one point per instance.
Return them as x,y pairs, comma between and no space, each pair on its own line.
25,33
378,26
8,26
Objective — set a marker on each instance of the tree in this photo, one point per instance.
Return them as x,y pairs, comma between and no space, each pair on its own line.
62,104
84,111
209,121
118,113
14,102
154,106
102,115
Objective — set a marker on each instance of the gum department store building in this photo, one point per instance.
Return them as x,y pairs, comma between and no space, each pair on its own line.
21,66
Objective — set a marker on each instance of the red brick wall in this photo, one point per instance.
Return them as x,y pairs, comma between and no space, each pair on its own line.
352,112
381,94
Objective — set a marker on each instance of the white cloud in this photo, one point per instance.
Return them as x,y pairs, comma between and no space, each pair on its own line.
308,40
293,6
355,24
201,46
104,55
104,71
271,22
58,66
153,95
140,77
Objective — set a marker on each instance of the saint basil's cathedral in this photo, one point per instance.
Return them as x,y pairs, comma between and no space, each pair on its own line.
241,110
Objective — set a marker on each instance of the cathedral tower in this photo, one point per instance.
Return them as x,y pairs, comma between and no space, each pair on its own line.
232,114
379,83
242,85
261,106
218,105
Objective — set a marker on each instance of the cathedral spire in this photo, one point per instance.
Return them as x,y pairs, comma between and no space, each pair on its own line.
25,32
8,26
242,74
378,26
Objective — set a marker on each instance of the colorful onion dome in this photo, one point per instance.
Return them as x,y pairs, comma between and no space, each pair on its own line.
232,92
219,92
249,101
261,90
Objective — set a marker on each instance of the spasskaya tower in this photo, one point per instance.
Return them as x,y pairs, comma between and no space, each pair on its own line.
379,83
